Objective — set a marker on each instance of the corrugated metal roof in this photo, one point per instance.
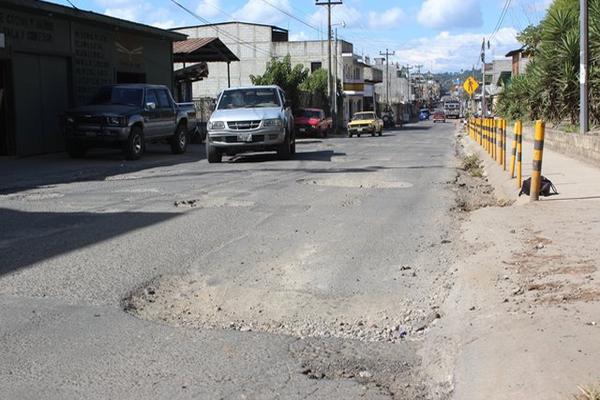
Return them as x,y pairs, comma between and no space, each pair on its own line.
207,49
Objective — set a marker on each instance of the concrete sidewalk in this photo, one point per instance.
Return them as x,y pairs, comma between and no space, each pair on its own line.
522,320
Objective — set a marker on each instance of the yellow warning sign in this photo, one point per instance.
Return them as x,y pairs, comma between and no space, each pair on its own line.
470,85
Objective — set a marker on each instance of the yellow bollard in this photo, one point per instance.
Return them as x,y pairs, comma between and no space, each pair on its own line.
503,144
519,154
479,131
536,168
513,155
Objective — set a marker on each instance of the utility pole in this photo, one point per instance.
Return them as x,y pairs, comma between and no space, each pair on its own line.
483,105
335,77
330,85
584,110
387,77
408,68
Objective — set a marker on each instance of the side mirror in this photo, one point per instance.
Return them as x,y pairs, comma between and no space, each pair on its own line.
212,107
287,104
151,106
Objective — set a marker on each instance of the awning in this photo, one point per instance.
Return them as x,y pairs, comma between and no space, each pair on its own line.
209,49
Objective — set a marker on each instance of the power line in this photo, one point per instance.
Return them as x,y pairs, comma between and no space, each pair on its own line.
500,20
223,33
292,16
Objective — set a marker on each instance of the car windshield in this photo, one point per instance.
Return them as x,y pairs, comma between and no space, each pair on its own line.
310,114
359,116
248,98
119,95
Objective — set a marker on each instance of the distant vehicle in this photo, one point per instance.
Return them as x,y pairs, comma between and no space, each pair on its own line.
365,122
425,111
129,116
452,108
255,118
312,121
439,116
423,116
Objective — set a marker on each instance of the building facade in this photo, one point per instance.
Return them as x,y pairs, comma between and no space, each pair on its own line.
54,57
255,45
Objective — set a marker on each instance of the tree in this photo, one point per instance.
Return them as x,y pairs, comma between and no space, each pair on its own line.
281,73
530,38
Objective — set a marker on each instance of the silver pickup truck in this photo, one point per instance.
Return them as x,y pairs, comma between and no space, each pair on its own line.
256,118
128,116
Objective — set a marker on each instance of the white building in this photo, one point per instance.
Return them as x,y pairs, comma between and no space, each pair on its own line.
256,44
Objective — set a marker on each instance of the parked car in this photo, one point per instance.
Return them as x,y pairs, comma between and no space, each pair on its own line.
128,116
425,112
312,121
255,118
365,122
439,116
423,116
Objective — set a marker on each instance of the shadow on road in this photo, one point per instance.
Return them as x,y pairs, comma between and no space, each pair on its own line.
31,237
318,155
29,173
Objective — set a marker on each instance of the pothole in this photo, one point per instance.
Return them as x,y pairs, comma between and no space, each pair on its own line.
357,180
210,303
212,202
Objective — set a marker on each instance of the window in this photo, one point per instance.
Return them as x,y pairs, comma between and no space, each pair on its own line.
151,97
163,98
315,66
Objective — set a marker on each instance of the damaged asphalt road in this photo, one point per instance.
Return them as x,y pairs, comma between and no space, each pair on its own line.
255,278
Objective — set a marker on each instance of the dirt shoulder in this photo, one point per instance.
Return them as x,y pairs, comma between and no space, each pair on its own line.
523,316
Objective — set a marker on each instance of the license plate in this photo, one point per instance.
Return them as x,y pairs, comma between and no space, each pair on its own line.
244,137
91,134
302,129
360,129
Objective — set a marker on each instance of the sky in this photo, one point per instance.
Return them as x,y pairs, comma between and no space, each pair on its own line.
439,35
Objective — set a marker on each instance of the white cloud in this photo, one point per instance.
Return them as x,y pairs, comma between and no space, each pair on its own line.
128,13
387,19
259,12
449,52
294,37
450,14
208,8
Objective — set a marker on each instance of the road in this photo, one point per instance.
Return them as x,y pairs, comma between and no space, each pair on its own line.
255,278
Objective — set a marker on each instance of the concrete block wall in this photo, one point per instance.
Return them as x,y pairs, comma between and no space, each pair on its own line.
584,148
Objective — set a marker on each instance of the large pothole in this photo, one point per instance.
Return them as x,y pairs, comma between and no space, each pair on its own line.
208,303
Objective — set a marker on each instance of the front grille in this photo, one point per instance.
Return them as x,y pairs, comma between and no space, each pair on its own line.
243,125
89,120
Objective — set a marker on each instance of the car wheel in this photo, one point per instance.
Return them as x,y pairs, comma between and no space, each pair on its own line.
213,154
380,131
324,133
75,150
179,140
358,135
349,135
284,150
134,145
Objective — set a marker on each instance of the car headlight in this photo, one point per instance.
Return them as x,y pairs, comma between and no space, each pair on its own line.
116,121
216,125
273,122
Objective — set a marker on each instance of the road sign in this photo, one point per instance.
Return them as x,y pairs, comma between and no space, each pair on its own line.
470,85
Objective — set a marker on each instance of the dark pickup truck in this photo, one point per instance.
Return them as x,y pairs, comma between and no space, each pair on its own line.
128,116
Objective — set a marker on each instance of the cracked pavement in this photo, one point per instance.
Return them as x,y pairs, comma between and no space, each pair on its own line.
327,237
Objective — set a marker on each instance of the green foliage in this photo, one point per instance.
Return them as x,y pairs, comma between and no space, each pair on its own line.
316,82
530,37
550,87
281,73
